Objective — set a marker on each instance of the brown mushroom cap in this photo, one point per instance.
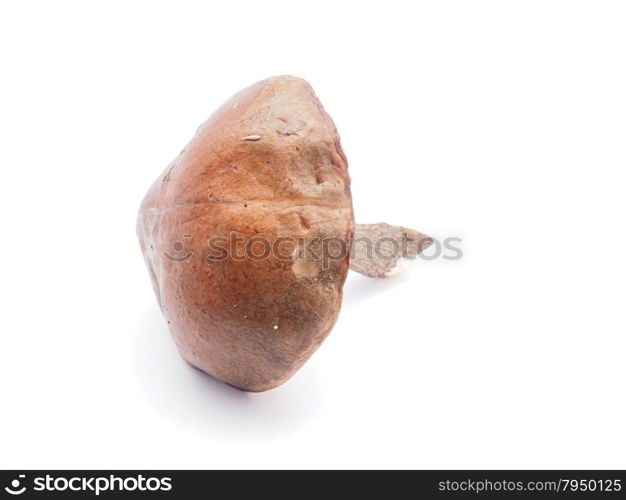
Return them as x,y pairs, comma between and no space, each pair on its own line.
267,167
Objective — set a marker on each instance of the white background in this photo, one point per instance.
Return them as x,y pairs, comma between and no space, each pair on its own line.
502,123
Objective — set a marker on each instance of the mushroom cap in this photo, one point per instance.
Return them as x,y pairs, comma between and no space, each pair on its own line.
247,235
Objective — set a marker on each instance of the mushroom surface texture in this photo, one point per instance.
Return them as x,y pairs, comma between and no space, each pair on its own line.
247,235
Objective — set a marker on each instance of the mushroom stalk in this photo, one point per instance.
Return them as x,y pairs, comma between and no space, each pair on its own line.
378,248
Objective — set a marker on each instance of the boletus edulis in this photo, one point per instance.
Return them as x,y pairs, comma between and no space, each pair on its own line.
248,236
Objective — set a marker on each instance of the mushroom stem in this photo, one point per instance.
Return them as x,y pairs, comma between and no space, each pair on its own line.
377,248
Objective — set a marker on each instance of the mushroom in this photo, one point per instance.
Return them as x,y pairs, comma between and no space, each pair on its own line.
248,234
